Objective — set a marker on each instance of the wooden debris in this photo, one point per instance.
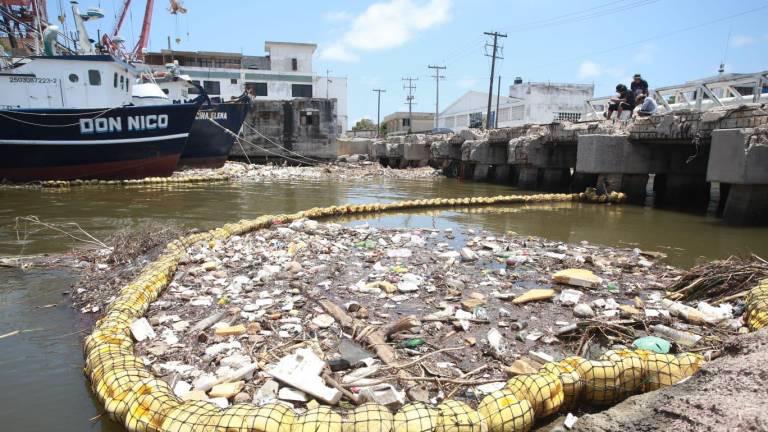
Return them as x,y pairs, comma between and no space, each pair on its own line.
520,367
577,277
230,330
718,280
376,338
207,322
226,390
536,294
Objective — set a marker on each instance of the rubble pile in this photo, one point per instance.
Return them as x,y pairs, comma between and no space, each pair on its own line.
346,168
319,312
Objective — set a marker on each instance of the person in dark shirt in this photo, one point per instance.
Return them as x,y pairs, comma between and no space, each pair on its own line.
624,100
639,86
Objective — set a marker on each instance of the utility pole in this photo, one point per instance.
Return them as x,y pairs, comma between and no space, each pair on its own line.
437,78
378,111
494,55
409,99
498,94
327,82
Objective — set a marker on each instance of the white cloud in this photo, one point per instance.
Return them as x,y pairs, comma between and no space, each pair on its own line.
337,16
339,52
742,40
385,25
591,70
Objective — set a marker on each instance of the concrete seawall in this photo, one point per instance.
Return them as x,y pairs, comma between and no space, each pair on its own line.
716,160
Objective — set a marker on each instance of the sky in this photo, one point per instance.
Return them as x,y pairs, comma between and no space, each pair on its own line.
377,43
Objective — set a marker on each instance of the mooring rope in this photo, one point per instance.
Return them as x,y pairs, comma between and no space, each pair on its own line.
101,114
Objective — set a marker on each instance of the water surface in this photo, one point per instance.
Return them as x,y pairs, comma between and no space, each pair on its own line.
42,369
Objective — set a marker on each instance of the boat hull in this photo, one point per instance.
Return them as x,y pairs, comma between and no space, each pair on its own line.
121,143
208,146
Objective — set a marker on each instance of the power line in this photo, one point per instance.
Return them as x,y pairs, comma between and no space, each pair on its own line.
409,99
494,55
653,38
437,78
579,16
378,110
571,17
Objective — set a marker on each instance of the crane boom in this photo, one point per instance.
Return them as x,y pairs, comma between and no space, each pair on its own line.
141,45
121,17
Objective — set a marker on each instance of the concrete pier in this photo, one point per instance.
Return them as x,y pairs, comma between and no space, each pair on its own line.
739,158
683,152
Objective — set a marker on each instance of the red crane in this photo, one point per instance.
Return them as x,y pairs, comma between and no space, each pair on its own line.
121,17
141,45
176,7
110,42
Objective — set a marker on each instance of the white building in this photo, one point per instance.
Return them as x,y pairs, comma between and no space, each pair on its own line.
469,111
284,73
527,103
546,101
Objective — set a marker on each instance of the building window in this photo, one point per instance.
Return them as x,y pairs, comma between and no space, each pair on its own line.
115,80
406,122
233,81
476,120
194,90
301,90
212,87
307,119
256,88
567,116
94,77
295,64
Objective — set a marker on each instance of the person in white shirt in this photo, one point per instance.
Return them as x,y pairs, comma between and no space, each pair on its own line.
647,106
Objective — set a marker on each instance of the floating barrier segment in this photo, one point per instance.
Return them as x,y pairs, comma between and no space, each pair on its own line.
133,396
63,184
757,306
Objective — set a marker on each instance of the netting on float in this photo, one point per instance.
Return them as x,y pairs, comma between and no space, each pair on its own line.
757,306
134,397
66,184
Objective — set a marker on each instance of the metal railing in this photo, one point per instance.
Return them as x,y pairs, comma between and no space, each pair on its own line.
700,95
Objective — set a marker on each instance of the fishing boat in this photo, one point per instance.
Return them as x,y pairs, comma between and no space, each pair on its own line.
216,125
69,114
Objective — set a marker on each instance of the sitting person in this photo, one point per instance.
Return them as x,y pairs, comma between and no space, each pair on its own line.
624,100
639,85
647,106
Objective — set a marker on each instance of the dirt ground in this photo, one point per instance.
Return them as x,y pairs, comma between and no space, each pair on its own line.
727,394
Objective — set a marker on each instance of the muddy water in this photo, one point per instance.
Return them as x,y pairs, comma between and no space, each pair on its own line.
41,368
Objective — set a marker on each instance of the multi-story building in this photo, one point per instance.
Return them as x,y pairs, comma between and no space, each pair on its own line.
402,122
284,73
530,102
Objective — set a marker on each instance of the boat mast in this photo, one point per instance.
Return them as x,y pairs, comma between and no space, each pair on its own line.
82,34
